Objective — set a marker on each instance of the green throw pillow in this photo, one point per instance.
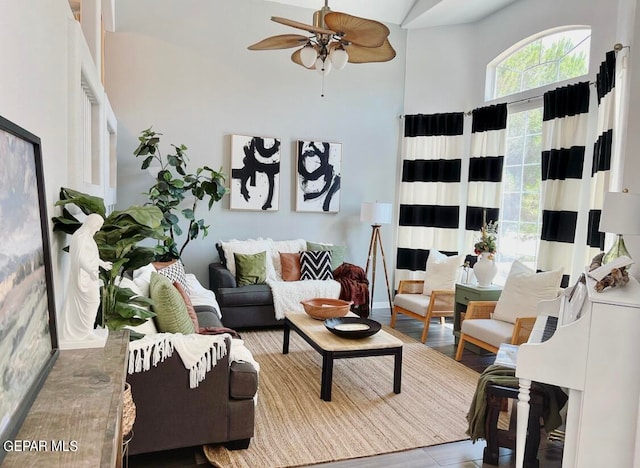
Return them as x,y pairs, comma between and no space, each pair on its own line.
251,268
337,252
171,310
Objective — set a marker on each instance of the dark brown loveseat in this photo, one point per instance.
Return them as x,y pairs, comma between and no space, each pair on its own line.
171,415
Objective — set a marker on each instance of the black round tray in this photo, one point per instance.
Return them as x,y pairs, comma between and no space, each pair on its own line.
352,327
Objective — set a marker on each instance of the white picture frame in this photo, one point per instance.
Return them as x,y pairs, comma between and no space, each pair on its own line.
255,173
318,176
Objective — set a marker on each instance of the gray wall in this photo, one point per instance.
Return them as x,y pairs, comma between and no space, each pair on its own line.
186,70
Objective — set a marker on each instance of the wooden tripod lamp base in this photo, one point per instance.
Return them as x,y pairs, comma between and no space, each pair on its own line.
377,214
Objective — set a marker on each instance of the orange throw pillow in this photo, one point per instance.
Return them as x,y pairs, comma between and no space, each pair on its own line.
187,300
290,266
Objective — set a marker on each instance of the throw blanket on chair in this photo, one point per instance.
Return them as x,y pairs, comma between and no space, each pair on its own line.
288,294
354,287
554,400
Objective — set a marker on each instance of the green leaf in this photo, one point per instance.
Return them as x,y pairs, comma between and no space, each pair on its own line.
147,162
188,213
173,219
142,150
173,160
88,204
149,216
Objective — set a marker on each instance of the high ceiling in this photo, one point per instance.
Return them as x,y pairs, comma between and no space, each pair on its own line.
410,13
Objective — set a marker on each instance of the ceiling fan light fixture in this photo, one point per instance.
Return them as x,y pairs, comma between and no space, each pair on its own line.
339,57
308,55
323,66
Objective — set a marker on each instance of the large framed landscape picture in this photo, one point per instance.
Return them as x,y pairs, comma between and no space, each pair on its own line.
28,343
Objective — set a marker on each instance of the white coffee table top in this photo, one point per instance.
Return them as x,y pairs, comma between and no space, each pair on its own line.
316,330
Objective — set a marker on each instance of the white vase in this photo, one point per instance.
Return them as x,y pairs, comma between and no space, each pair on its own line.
485,270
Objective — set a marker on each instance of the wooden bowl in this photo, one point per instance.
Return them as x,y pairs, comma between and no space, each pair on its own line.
321,308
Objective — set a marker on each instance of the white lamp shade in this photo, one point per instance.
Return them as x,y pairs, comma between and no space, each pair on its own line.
621,213
323,66
376,213
339,58
308,56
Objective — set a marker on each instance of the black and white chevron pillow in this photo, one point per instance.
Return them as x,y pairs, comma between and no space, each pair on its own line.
315,265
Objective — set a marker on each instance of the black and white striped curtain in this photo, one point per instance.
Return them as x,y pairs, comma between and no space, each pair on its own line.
429,191
564,130
488,141
602,151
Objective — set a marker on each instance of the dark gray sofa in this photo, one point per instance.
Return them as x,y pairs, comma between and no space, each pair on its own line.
171,415
243,307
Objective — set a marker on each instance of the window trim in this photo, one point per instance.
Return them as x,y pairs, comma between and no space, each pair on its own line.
493,65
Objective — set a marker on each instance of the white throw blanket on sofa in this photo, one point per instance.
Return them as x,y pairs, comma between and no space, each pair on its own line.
198,352
288,294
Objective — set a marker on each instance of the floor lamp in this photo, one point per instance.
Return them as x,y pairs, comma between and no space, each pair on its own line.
376,214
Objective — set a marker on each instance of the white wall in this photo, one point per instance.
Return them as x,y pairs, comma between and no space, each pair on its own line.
34,94
446,66
186,70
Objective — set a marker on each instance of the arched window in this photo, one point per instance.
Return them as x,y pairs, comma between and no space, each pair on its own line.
545,58
539,61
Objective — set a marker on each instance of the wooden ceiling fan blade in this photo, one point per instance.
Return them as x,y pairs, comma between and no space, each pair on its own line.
283,41
303,26
359,31
359,54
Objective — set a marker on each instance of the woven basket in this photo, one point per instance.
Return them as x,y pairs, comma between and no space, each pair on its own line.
128,411
322,308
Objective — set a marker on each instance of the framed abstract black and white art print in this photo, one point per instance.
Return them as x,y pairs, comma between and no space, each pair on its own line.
318,169
255,173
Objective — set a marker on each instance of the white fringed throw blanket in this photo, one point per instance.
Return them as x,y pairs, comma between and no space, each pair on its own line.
288,294
199,353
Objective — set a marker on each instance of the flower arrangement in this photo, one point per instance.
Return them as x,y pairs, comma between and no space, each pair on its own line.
487,242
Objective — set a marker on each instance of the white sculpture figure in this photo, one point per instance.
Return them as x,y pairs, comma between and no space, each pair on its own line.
83,290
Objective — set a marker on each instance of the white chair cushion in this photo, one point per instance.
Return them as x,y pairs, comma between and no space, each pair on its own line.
442,271
490,331
417,303
522,291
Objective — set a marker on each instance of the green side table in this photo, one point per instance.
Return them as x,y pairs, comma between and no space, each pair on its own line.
470,292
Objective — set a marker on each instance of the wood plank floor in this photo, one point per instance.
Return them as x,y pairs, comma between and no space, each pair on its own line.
454,455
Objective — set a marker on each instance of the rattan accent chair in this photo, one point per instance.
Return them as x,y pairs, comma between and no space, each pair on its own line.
411,301
479,328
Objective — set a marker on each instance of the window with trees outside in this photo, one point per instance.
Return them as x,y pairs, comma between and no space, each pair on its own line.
544,60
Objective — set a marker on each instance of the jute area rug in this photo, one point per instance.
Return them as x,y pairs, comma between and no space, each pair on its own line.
294,427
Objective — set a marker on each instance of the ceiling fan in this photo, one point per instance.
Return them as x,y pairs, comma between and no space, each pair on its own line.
336,38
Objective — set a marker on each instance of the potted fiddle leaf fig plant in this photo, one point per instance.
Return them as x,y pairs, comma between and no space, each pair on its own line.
177,193
119,242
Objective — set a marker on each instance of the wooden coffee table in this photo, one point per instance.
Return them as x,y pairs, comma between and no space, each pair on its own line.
332,347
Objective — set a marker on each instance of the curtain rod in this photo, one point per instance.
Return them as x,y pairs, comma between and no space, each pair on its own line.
617,48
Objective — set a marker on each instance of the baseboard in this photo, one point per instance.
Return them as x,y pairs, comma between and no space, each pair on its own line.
380,305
